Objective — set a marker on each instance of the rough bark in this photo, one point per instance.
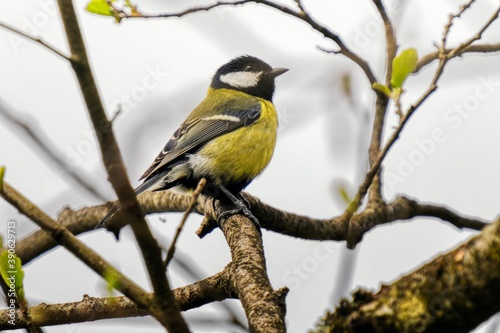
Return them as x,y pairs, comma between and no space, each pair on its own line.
455,292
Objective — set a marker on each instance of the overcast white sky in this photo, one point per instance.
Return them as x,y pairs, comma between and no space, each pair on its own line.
160,69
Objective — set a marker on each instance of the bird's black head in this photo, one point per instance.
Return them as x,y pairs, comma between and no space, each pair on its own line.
248,74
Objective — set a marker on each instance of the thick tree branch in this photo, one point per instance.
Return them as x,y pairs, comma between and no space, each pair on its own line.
219,286
401,208
65,238
454,293
429,296
272,219
264,307
85,219
209,290
111,156
246,276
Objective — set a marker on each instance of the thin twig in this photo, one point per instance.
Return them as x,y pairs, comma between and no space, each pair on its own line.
194,199
301,15
34,39
443,59
364,186
306,17
477,36
431,57
447,214
300,5
452,17
390,39
124,15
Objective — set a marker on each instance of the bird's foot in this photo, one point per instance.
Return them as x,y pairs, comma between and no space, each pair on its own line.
238,210
241,207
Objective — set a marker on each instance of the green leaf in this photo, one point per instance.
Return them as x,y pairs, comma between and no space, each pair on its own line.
402,66
382,88
113,282
353,206
344,194
11,270
2,174
99,7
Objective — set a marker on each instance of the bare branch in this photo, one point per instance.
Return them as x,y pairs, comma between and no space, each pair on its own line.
306,17
264,307
477,36
164,303
35,39
209,290
273,219
374,169
85,219
124,15
443,59
401,208
436,284
390,39
381,104
300,5
431,57
446,214
451,18
65,238
301,15
191,269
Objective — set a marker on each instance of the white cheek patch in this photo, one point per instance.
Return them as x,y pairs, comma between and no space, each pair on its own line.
241,79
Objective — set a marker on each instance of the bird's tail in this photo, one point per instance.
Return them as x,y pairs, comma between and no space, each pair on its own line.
146,185
116,206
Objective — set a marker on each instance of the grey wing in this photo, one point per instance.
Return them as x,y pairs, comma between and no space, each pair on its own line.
193,134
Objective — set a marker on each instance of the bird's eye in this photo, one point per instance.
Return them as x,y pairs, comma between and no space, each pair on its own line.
249,68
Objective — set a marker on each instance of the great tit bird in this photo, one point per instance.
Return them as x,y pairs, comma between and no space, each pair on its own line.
228,139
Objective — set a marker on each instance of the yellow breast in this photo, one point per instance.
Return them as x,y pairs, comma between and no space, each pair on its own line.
244,153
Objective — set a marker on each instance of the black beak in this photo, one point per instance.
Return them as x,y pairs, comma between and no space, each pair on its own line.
277,72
